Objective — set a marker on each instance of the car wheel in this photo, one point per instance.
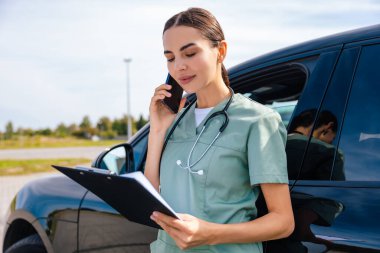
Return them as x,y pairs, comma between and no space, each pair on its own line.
30,244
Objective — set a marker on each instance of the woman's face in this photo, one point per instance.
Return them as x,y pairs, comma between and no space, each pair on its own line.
192,61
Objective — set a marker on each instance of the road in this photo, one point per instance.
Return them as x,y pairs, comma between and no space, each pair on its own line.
9,185
50,153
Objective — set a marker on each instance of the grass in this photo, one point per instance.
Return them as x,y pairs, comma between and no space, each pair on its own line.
53,142
23,167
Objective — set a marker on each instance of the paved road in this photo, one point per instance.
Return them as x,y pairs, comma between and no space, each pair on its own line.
48,153
9,185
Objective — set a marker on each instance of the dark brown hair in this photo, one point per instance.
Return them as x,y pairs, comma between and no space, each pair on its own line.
206,23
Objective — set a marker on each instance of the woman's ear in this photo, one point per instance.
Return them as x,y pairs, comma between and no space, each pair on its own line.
222,51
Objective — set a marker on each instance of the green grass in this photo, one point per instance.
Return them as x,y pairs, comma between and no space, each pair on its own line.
53,142
22,167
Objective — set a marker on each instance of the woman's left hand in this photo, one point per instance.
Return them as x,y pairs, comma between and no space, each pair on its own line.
188,232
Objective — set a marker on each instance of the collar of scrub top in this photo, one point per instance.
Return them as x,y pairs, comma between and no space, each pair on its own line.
222,112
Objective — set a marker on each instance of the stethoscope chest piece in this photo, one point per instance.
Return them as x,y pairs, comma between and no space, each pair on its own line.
189,166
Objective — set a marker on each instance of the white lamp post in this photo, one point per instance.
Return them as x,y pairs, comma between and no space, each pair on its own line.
129,131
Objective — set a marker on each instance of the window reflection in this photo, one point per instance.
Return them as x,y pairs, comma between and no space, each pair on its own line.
114,161
139,151
317,164
308,210
360,137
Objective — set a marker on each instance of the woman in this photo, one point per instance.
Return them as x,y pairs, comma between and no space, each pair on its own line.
213,180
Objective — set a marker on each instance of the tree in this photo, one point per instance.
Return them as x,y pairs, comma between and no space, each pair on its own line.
104,124
141,122
8,131
25,131
72,128
119,126
44,131
85,124
85,129
62,130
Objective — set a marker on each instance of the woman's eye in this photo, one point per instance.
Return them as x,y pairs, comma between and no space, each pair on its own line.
170,60
190,55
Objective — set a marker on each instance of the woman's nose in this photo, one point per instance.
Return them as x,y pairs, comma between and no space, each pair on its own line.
180,65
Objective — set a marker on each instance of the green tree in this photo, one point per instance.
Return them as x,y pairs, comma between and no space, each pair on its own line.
62,130
45,131
119,126
104,127
140,122
25,131
104,124
8,131
72,128
85,129
85,124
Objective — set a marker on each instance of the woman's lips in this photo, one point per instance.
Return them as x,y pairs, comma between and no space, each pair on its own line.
186,79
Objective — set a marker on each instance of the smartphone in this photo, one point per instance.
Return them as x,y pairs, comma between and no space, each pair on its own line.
173,102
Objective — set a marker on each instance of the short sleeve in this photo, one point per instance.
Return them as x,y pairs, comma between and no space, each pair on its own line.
266,150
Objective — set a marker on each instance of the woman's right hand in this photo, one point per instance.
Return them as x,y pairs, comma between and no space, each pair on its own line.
160,116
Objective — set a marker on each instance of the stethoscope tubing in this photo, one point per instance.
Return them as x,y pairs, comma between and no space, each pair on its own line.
223,113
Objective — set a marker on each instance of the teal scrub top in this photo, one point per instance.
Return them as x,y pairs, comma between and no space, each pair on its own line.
250,151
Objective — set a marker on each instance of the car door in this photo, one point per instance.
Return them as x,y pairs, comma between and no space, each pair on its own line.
103,229
301,78
336,197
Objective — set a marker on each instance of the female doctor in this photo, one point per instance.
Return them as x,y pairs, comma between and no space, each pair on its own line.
223,149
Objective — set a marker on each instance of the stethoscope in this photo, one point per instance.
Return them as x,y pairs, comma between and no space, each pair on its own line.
222,113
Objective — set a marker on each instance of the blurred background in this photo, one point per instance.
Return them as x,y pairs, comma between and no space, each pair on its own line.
68,69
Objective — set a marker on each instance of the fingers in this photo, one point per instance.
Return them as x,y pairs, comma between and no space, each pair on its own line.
182,241
163,89
163,86
187,232
161,92
166,219
182,104
175,228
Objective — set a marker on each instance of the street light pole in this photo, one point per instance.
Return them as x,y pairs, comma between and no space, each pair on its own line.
129,131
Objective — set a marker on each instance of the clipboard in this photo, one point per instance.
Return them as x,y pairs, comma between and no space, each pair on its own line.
129,194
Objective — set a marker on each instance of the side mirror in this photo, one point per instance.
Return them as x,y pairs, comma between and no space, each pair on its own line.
119,159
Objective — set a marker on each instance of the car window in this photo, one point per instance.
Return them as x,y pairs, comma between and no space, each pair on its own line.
314,129
359,143
279,87
274,86
139,151
285,109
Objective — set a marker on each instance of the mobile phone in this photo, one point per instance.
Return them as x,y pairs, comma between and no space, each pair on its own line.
173,102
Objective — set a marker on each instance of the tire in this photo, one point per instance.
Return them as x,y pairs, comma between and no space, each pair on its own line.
30,244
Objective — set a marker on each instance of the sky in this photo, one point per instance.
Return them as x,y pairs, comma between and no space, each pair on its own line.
62,60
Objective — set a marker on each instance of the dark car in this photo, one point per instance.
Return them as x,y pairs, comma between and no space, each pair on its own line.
327,91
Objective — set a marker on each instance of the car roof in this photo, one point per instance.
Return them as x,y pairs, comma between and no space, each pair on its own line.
369,32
